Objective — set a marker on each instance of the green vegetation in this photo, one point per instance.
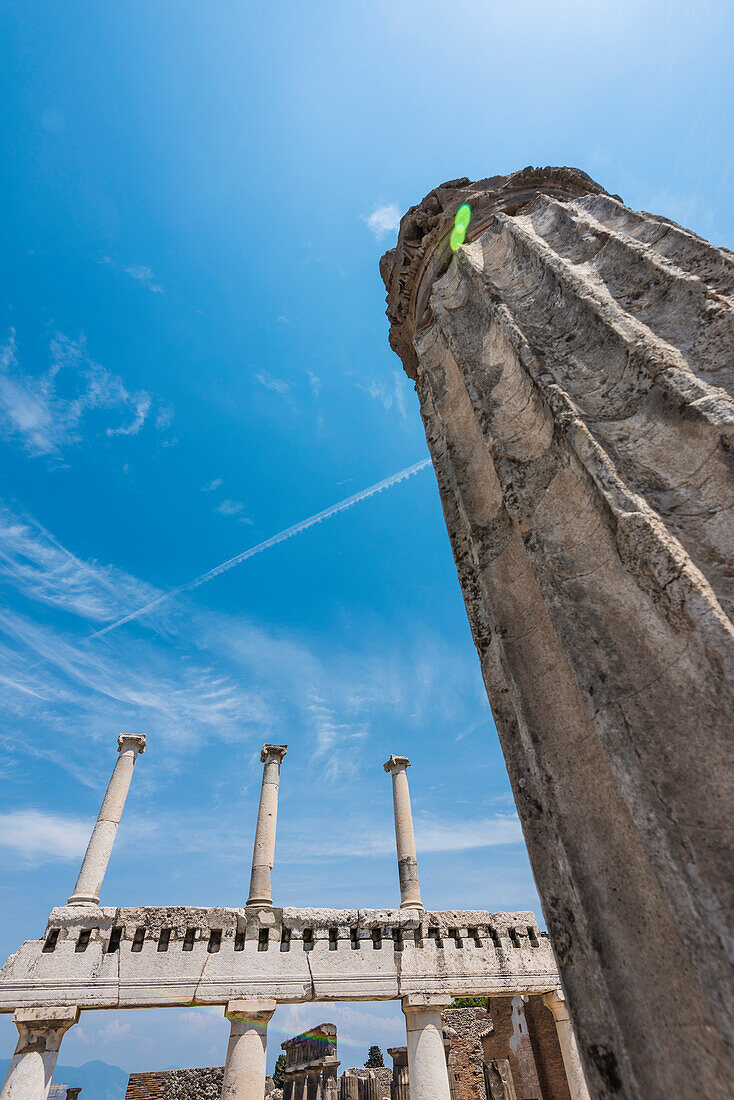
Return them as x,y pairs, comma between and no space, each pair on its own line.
374,1059
279,1071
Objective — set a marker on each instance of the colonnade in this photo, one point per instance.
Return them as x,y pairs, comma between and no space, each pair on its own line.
42,1029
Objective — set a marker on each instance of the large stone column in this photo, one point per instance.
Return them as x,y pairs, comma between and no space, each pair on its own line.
427,1070
99,849
244,1070
263,853
556,1002
410,894
32,1066
574,369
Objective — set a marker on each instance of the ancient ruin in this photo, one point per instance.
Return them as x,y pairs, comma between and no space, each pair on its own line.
252,958
509,1050
573,362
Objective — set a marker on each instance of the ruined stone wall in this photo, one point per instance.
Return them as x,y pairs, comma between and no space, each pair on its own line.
202,1083
574,366
465,1028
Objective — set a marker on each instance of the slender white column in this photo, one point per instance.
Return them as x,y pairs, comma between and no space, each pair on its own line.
556,1002
427,1070
99,849
263,853
410,894
244,1070
40,1033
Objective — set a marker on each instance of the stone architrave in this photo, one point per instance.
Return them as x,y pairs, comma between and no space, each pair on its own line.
573,362
427,1070
263,854
410,894
244,1070
40,1031
99,849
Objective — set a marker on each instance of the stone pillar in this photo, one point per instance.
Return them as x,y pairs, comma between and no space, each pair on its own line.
427,1070
244,1070
99,849
573,366
372,1090
399,1085
348,1087
32,1066
410,894
556,1002
263,854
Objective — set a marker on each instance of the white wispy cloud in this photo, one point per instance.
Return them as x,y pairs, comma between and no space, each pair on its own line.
41,569
40,837
388,394
229,507
215,483
45,417
277,385
383,220
140,272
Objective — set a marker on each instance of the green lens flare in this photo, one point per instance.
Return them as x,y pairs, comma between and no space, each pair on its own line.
461,224
463,216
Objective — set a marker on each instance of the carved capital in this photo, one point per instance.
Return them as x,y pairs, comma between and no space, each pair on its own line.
131,741
395,763
273,752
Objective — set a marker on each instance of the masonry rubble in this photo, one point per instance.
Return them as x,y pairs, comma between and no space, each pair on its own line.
250,959
573,364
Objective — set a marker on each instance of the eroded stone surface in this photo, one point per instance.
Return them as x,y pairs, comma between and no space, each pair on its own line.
574,367
166,956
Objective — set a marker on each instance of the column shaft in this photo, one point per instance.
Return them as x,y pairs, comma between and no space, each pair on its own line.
577,1086
31,1068
99,849
427,1069
263,854
244,1070
410,894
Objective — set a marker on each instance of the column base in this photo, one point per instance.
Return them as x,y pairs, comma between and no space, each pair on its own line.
82,899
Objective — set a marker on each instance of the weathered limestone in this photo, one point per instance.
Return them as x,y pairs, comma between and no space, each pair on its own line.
32,1066
556,1002
410,894
427,1071
399,1088
573,363
244,1069
99,849
311,1064
155,957
263,854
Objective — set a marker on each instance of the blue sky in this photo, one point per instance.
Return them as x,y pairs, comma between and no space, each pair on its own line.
194,357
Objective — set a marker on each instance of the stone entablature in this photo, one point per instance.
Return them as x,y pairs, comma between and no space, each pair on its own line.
108,957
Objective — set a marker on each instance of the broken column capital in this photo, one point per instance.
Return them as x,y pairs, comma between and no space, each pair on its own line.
273,752
131,741
43,1028
555,1000
434,1001
396,762
254,1010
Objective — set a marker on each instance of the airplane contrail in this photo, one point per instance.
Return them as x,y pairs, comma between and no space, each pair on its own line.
274,540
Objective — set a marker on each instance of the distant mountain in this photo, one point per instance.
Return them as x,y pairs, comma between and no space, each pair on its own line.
97,1080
